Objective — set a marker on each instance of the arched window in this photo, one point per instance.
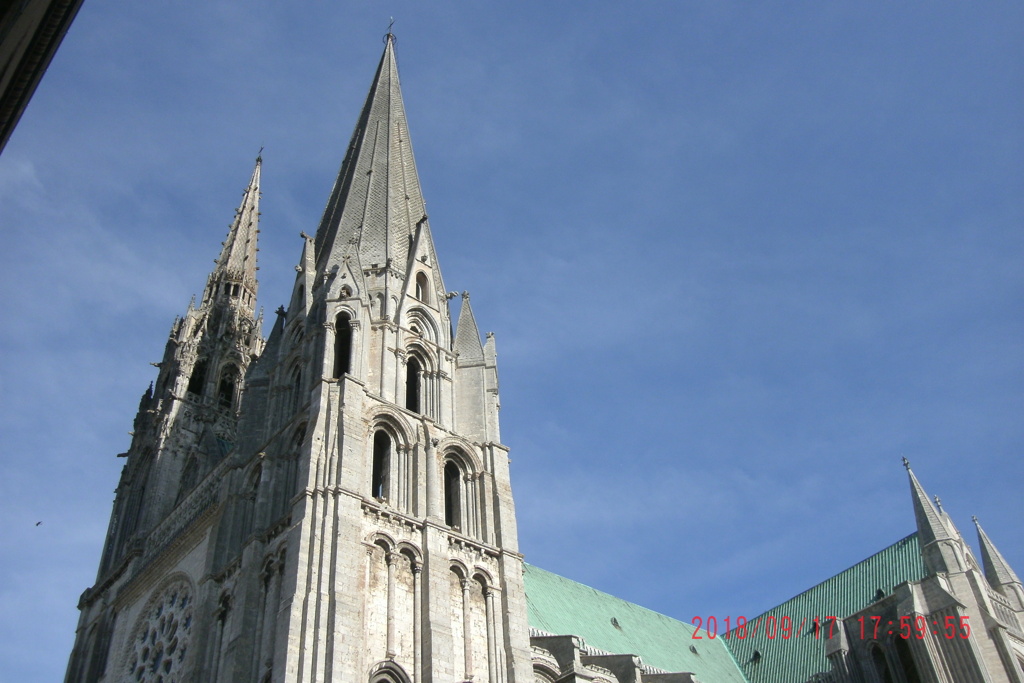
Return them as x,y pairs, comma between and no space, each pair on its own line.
381,464
881,666
342,345
197,381
413,372
452,494
292,465
294,400
189,478
906,661
422,289
249,504
388,672
227,386
139,482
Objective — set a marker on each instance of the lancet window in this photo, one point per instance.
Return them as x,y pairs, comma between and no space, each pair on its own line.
295,397
413,385
342,345
227,387
881,665
189,478
452,494
197,381
422,288
382,453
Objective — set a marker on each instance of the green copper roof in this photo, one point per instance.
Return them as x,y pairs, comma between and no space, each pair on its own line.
563,607
796,658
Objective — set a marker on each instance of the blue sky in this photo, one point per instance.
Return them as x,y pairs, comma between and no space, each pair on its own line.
739,258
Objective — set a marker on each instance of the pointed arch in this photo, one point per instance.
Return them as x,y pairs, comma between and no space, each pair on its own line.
452,494
422,287
382,455
419,380
249,495
342,345
227,386
189,478
421,320
413,384
388,671
292,463
389,463
878,659
460,492
295,389
906,660
137,495
197,381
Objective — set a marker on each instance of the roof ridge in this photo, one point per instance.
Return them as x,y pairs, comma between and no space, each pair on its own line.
837,575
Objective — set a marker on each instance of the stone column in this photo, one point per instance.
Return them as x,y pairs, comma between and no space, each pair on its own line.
417,614
392,560
489,602
467,635
430,445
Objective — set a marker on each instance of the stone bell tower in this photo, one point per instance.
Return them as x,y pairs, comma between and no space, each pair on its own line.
349,516
403,561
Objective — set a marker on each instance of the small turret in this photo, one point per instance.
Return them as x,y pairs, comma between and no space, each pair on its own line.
998,572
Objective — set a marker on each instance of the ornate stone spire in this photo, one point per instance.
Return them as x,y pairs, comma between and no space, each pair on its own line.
236,267
376,204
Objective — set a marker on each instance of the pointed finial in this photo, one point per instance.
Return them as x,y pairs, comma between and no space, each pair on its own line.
259,155
974,518
938,503
906,463
389,35
280,311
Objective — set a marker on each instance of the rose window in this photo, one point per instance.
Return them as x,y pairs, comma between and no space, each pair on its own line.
158,648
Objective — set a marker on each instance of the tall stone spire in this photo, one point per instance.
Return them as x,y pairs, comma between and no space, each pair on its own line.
235,272
942,548
376,204
930,525
198,391
998,571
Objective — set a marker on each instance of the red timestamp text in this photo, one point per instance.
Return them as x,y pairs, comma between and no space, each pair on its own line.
914,627
771,627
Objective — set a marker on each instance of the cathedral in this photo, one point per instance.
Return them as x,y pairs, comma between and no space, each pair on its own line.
332,502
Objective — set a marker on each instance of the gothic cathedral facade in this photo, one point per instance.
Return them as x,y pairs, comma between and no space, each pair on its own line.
332,503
